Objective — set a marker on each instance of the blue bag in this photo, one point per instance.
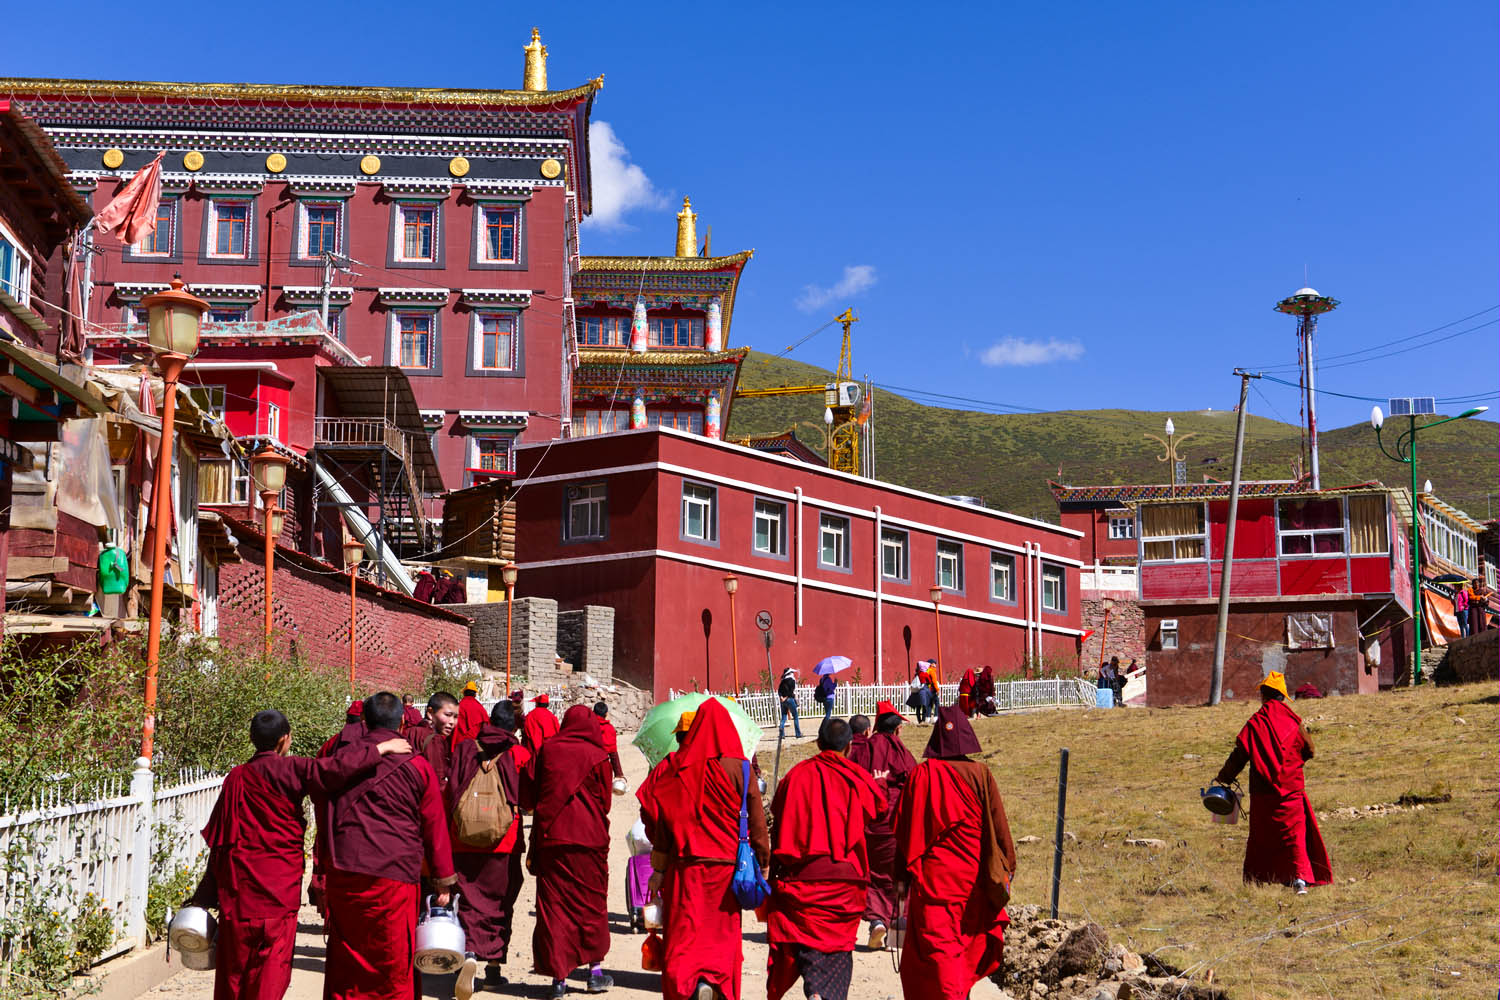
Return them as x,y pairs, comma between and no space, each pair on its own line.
749,886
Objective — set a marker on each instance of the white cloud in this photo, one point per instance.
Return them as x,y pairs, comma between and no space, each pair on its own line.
857,277
1018,352
619,185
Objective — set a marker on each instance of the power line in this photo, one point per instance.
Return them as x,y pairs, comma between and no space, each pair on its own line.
1323,362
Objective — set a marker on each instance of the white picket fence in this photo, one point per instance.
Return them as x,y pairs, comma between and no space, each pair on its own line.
104,846
850,699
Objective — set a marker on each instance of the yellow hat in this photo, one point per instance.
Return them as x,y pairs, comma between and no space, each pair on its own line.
1275,681
685,722
472,686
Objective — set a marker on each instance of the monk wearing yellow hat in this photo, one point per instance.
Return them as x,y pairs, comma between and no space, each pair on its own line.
1285,845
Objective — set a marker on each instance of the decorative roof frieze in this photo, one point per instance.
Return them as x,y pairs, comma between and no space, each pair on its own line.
491,190
324,187
492,418
228,183
416,187
412,296
133,291
518,297
312,295
219,292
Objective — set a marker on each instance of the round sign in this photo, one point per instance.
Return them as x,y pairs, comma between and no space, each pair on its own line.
763,620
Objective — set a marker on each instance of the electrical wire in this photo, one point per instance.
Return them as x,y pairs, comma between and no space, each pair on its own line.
1322,362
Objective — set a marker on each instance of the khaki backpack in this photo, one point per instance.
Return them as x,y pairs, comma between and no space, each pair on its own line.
482,816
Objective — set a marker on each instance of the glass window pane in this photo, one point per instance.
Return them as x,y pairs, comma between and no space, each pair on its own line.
1329,542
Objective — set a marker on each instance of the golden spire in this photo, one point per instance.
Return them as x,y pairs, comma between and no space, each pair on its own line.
687,230
535,77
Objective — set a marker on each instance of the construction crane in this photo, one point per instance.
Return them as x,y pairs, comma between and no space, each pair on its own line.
843,405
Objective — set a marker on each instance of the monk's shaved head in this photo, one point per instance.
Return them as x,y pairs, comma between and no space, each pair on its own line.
887,722
383,711
439,699
267,729
859,723
835,734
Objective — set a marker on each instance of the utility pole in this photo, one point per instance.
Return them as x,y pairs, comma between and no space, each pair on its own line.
327,285
1216,682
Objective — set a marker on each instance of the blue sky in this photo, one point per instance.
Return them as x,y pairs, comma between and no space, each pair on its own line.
1039,206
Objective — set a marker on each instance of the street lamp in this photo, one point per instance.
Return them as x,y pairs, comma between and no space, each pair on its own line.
508,573
936,593
1109,605
1172,456
731,584
268,469
172,324
354,552
1406,451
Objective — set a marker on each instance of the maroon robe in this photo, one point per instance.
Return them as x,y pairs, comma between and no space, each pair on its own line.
434,749
890,765
860,751
382,830
411,718
567,787
254,875
489,879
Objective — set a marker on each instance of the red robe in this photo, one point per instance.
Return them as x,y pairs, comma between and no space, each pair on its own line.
612,746
489,879
411,718
890,765
540,725
819,862
953,844
966,693
381,831
1284,842
471,719
254,876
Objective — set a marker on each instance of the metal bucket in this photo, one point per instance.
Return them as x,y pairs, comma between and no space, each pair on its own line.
440,940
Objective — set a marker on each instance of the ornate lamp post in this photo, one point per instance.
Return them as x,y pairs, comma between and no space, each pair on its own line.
173,318
1406,451
936,593
268,469
508,573
354,552
732,584
1109,605
1172,456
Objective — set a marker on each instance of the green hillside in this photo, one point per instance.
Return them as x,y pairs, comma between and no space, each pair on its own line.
1007,458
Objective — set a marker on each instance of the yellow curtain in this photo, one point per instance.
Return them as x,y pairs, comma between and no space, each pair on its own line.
214,482
1164,520
1367,525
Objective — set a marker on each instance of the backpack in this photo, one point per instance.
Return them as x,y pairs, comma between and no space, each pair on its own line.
788,688
482,816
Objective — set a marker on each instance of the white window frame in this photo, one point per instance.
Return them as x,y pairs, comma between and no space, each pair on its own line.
704,499
593,500
1121,528
211,245
1489,575
208,397
20,282
395,333
895,543
1312,534
1050,573
1450,540
304,240
1169,634
771,513
1001,562
174,207
836,528
477,334
482,245
398,237
273,421
950,552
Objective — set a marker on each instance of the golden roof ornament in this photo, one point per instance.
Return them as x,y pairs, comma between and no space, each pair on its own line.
687,230
535,76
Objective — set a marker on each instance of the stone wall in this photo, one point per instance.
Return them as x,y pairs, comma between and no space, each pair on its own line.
586,639
534,647
1473,658
1127,632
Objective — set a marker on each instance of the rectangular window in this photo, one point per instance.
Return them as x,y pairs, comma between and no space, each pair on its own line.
417,232
1489,575
587,423
699,514
586,510
770,528
1054,589
833,541
1169,633
159,242
501,228
1310,527
1450,540
414,340
682,420
1002,577
603,331
492,454
1172,532
496,346
950,565
1122,527
15,269
229,232
228,314
1369,527
273,421
320,229
681,331
208,398
895,554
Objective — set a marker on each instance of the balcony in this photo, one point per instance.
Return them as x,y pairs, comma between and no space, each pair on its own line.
361,433
1111,579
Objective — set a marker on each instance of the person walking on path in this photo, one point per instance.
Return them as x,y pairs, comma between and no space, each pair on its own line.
433,738
826,686
966,693
471,715
787,692
255,837
611,739
955,854
567,787
489,879
381,831
1285,846
690,806
540,725
820,867
889,766
410,717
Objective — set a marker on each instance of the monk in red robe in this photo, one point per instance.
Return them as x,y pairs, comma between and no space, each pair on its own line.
471,715
890,764
953,849
1285,845
859,744
410,717
381,831
820,868
255,837
690,806
611,739
433,738
540,724
966,693
566,788
352,731
489,879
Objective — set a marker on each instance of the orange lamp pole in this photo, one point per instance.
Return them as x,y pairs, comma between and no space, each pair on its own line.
268,469
173,318
731,584
508,573
354,551
936,593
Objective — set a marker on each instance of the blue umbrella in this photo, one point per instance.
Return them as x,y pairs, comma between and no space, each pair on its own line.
831,665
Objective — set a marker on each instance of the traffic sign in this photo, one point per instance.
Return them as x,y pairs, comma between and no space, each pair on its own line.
763,620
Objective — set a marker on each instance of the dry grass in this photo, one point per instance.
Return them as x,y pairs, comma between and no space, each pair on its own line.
1412,911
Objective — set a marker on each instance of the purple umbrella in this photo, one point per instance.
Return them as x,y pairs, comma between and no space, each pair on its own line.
831,665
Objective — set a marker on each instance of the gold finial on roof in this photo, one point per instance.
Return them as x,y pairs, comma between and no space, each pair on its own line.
687,230
535,76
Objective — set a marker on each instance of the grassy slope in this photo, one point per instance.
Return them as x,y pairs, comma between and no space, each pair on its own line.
1008,458
1413,899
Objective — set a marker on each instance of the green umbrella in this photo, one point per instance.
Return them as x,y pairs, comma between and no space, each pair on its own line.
656,738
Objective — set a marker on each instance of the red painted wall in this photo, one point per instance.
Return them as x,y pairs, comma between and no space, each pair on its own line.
1254,535
1096,545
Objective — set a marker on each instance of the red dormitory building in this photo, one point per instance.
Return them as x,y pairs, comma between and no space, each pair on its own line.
651,521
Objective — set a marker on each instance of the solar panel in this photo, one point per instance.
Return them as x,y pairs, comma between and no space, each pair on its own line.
1401,407
1423,404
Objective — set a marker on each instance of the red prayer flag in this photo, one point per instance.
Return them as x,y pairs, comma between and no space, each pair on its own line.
133,210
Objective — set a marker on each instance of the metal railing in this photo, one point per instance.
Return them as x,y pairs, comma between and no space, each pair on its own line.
360,431
1101,577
